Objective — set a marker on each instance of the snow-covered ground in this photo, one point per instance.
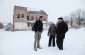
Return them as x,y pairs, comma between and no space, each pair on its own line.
21,43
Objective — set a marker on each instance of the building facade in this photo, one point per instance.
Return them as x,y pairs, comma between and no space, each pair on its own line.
24,19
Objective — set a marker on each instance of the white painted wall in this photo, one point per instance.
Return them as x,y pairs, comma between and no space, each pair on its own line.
24,26
21,25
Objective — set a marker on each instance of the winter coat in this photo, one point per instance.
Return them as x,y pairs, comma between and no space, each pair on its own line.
61,29
38,26
51,30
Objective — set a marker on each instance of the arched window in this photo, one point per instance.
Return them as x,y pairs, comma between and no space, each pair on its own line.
22,16
18,15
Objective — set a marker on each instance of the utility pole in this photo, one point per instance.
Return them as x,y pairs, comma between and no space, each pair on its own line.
71,22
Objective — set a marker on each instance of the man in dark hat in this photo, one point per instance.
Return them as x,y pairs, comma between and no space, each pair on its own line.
61,29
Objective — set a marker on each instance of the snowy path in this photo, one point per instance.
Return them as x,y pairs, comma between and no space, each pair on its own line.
21,43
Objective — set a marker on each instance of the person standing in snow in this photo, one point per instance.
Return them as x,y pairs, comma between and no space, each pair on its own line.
61,29
38,28
51,34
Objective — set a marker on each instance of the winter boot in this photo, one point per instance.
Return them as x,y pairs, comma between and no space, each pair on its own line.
35,49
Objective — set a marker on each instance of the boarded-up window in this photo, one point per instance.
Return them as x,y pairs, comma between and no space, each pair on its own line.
18,15
27,17
32,18
22,15
36,18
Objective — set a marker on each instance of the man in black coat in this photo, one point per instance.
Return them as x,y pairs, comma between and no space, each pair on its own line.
38,28
61,29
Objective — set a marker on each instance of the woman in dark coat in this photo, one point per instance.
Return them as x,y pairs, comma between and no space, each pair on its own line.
51,34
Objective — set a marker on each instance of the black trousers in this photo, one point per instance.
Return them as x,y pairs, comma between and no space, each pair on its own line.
60,44
51,40
59,41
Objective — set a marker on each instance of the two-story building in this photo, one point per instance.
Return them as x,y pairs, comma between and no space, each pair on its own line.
24,19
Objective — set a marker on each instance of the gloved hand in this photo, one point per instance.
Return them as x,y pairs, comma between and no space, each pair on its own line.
35,31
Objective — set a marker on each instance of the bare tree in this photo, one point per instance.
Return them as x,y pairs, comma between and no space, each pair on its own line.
72,16
76,19
79,14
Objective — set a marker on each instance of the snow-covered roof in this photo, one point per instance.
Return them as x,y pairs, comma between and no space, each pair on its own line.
37,12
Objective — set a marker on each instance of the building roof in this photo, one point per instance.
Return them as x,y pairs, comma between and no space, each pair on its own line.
30,11
38,12
20,6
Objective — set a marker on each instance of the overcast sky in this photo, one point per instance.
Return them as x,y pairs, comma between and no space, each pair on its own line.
54,8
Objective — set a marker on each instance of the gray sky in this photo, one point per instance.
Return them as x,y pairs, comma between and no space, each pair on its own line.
54,8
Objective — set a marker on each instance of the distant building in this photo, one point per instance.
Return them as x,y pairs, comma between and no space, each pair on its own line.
9,27
24,19
1,26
